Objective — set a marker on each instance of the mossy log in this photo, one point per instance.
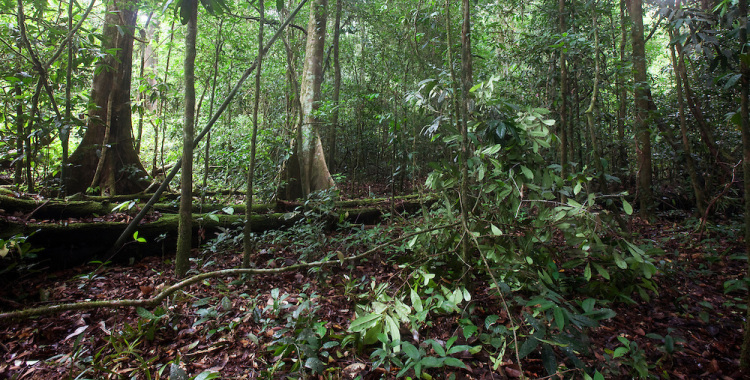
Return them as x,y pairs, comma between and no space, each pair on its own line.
66,244
55,209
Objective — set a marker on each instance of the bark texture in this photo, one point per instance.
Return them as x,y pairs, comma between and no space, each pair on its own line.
184,238
313,170
642,95
121,169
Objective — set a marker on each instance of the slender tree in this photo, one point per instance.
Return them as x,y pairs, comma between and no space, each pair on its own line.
336,86
248,246
564,93
622,93
591,110
642,92
184,237
695,180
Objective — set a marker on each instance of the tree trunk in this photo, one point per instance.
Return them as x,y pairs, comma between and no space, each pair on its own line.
207,152
717,154
18,177
248,243
622,109
563,131
184,237
313,171
642,90
336,88
695,180
122,170
65,128
466,83
590,118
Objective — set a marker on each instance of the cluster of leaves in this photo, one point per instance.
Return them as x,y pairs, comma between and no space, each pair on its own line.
540,236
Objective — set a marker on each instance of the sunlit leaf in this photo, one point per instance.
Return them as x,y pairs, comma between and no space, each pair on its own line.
627,207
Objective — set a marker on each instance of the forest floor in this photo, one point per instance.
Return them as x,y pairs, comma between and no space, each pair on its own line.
266,326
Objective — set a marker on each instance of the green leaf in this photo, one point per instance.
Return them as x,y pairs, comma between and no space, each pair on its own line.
602,271
549,360
431,362
527,347
453,362
588,305
410,350
527,172
279,5
439,350
732,81
143,313
470,330
207,375
416,301
365,322
459,348
627,207
315,364
619,261
392,328
330,344
495,231
138,239
587,272
559,318
620,351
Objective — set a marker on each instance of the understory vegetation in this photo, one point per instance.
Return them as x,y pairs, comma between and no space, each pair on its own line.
416,189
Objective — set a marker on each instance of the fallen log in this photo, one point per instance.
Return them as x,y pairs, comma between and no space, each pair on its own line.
65,244
56,209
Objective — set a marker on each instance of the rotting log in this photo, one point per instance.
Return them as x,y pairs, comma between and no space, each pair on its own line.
66,244
53,209
91,206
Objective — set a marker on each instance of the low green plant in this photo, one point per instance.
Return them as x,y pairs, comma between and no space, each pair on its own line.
16,253
123,355
632,356
303,338
418,359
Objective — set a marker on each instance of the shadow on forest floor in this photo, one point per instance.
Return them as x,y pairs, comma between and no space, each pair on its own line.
264,326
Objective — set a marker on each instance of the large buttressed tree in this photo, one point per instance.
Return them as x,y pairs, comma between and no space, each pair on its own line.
109,131
306,171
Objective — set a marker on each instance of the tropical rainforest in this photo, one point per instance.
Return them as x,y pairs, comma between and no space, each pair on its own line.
366,189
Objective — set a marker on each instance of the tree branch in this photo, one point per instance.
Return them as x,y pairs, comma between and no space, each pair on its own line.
166,292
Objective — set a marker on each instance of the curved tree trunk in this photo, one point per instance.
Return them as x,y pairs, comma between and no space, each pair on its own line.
122,172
